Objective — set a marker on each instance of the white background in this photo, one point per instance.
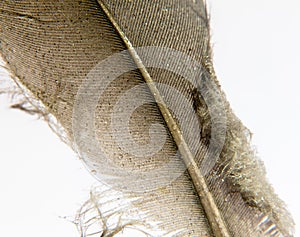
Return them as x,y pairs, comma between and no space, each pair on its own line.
256,48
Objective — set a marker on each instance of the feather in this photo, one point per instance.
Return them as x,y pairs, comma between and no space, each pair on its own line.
132,86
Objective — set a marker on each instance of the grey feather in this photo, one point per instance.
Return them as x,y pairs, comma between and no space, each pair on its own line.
161,134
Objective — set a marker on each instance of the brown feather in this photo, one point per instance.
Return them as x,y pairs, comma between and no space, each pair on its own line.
53,48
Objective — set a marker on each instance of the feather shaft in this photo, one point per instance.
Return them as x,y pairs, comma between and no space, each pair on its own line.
213,213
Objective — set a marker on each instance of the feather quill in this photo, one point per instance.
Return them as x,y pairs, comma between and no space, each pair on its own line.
132,84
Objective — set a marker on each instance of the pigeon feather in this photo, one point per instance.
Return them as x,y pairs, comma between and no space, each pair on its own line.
132,85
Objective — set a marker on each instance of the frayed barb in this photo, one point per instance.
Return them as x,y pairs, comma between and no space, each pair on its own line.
101,216
21,98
